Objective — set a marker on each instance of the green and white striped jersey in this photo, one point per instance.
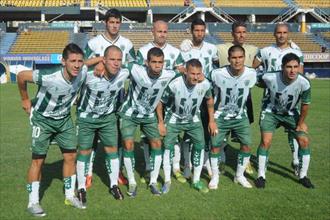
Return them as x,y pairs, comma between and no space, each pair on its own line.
97,45
207,54
144,92
172,55
231,92
56,95
283,98
183,102
99,95
271,57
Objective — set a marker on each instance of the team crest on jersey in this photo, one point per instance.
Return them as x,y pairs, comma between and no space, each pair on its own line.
163,83
200,92
246,82
172,56
209,51
119,84
122,47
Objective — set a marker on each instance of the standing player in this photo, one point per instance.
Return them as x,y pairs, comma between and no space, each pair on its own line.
173,60
232,86
94,52
285,89
145,90
271,58
239,33
96,113
183,97
50,118
206,53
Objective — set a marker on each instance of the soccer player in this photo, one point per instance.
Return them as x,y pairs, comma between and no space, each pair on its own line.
173,60
285,89
207,54
239,33
183,98
94,52
232,86
96,113
145,90
50,118
271,58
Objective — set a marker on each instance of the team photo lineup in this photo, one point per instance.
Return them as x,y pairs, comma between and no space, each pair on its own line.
188,100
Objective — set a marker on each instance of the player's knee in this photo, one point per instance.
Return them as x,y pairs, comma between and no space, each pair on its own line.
303,141
110,149
69,157
156,143
215,150
245,148
85,152
266,142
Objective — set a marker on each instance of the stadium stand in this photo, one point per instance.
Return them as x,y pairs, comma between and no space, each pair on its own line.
120,3
6,40
56,3
263,39
246,3
166,3
313,3
41,3
326,36
36,42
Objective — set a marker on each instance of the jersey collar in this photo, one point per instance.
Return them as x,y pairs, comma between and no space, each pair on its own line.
110,41
162,48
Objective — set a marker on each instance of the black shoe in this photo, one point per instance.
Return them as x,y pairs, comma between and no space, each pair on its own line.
306,183
82,197
260,182
115,191
295,168
154,189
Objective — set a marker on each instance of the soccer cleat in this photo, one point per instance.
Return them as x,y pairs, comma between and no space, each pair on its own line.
89,180
154,189
260,182
121,179
249,168
306,183
36,210
166,187
200,187
213,184
82,197
74,201
242,181
222,167
132,188
187,173
116,193
295,168
179,177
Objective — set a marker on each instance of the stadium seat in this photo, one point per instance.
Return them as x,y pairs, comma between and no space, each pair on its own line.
166,3
246,3
40,42
120,3
313,3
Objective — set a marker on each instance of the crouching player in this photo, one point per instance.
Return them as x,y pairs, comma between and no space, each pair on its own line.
96,113
183,98
50,118
232,86
285,89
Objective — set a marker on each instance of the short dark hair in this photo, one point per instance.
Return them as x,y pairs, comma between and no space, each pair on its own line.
193,63
280,24
155,51
113,12
237,24
235,48
289,57
110,48
71,48
197,21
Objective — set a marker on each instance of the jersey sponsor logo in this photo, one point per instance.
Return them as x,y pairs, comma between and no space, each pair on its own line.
172,56
246,82
122,47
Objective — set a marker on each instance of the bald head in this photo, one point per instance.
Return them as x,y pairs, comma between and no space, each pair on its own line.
159,32
112,48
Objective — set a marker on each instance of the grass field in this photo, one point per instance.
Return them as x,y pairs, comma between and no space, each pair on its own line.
283,197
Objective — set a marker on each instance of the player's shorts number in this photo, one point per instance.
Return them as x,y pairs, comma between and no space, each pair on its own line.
35,131
262,116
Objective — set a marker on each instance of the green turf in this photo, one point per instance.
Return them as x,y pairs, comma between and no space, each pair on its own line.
283,197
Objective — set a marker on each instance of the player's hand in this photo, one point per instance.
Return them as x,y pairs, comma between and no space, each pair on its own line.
302,127
99,69
162,129
213,128
186,45
26,105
